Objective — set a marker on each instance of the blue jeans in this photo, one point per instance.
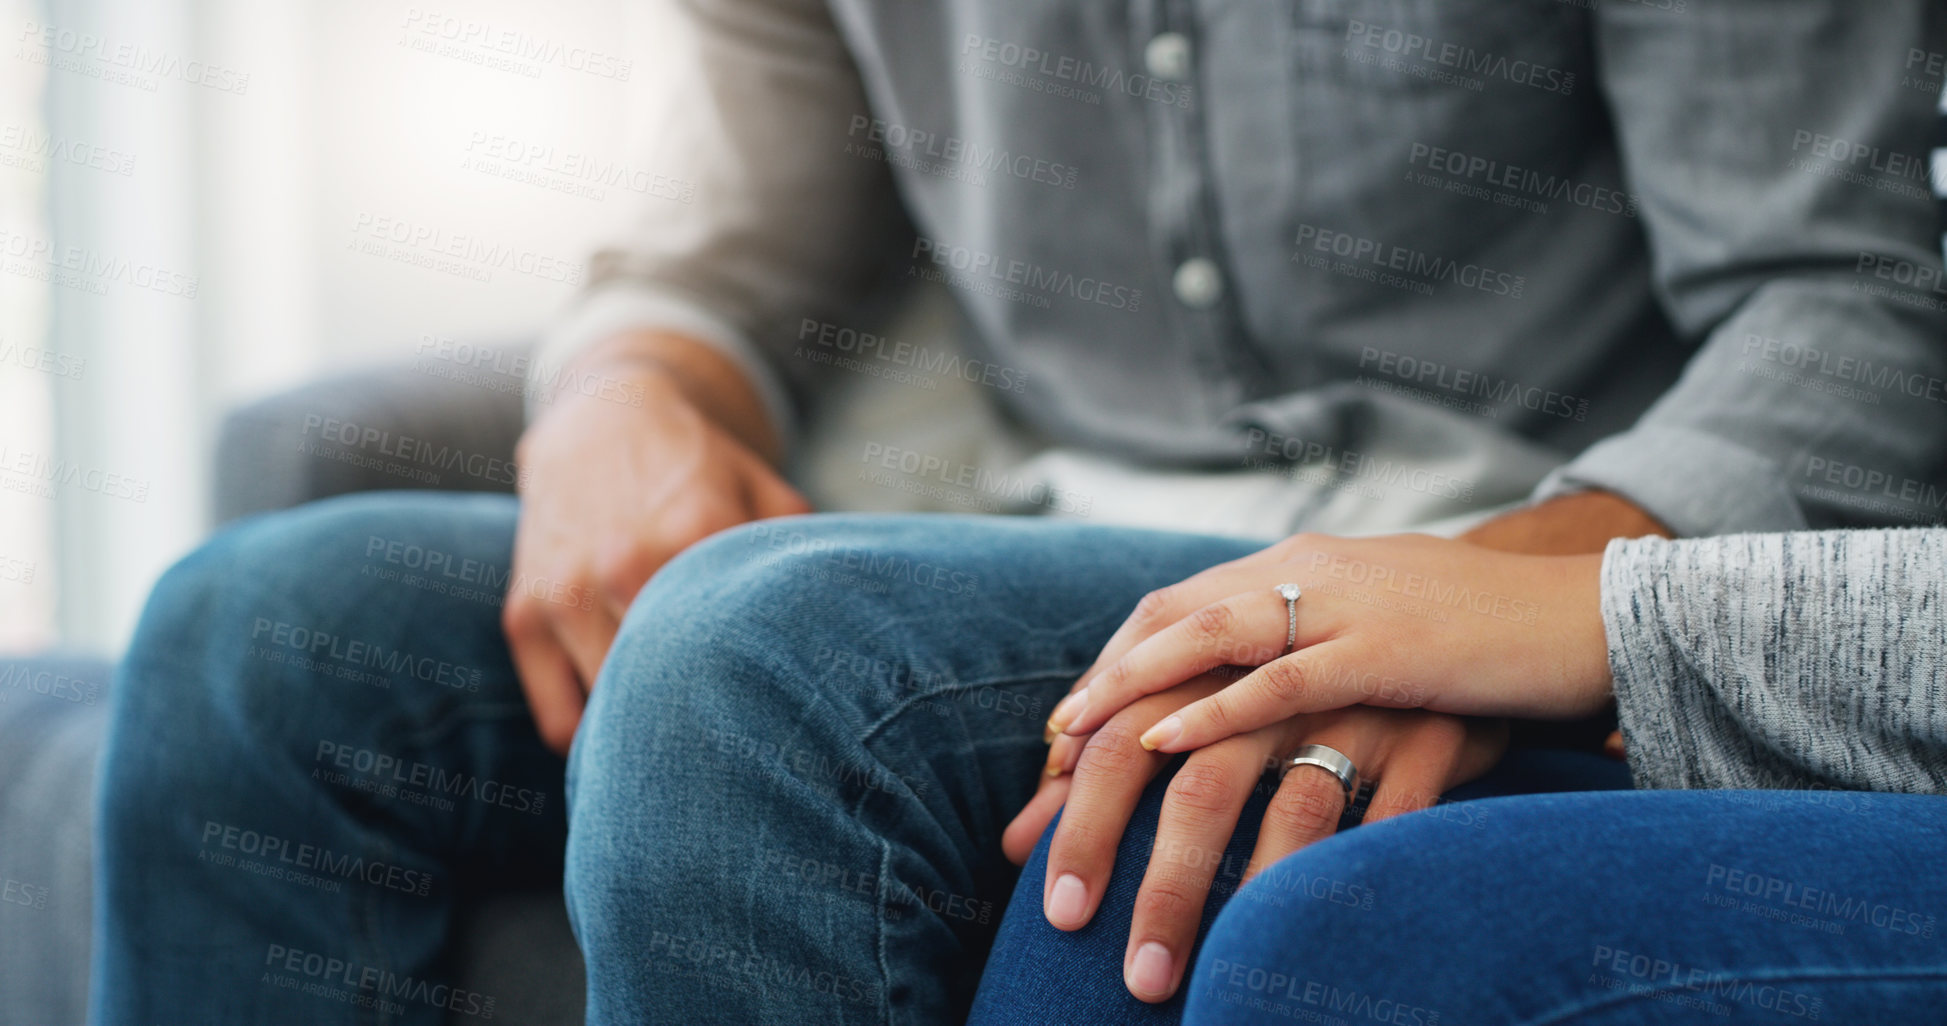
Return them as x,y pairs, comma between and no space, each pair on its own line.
1035,970
1600,908
786,796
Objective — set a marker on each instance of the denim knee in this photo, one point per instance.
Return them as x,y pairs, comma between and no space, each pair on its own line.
265,636
720,690
1451,912
773,606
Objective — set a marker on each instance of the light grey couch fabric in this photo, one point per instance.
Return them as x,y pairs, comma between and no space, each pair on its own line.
51,716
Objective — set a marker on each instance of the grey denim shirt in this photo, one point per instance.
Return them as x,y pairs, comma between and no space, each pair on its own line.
1688,242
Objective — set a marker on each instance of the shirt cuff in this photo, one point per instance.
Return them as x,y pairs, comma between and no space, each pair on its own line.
610,310
1655,686
1695,483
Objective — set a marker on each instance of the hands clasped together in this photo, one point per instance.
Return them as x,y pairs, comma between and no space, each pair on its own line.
1408,650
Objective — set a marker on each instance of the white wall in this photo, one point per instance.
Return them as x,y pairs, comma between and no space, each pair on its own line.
320,133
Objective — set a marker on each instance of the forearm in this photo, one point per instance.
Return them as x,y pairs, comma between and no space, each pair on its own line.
1781,660
657,362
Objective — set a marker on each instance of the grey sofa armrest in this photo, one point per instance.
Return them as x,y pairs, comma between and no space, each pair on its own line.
52,713
429,424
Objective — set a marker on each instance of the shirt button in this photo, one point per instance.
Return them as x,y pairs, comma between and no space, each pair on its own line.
1198,283
1168,56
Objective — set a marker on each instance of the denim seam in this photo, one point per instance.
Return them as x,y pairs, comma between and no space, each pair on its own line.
866,737
1566,1015
885,964
456,716
905,705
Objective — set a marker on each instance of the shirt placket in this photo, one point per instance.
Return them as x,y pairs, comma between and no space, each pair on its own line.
1183,234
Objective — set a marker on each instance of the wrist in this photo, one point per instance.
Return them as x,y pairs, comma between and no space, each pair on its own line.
1583,638
653,369
1567,525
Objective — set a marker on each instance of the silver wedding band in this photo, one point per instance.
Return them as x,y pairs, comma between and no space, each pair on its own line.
1329,759
1290,593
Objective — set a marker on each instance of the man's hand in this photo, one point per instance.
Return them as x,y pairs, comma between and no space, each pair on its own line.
611,491
1413,755
1567,525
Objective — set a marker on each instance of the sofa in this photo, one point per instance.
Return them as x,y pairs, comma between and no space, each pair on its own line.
53,714
53,706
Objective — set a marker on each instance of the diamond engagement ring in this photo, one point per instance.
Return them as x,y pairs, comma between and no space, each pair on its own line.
1290,593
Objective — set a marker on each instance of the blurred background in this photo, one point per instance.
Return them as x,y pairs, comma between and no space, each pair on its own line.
205,201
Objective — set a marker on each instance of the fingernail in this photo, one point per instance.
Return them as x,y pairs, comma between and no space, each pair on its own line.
1162,733
1066,711
1068,902
1150,972
1053,769
1048,733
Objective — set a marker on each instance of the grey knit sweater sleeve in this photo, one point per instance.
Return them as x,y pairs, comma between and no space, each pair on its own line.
1813,659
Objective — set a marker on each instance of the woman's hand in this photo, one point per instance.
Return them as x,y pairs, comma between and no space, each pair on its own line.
1405,621
1414,756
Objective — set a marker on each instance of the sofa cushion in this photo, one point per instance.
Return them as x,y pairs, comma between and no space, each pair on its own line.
53,712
